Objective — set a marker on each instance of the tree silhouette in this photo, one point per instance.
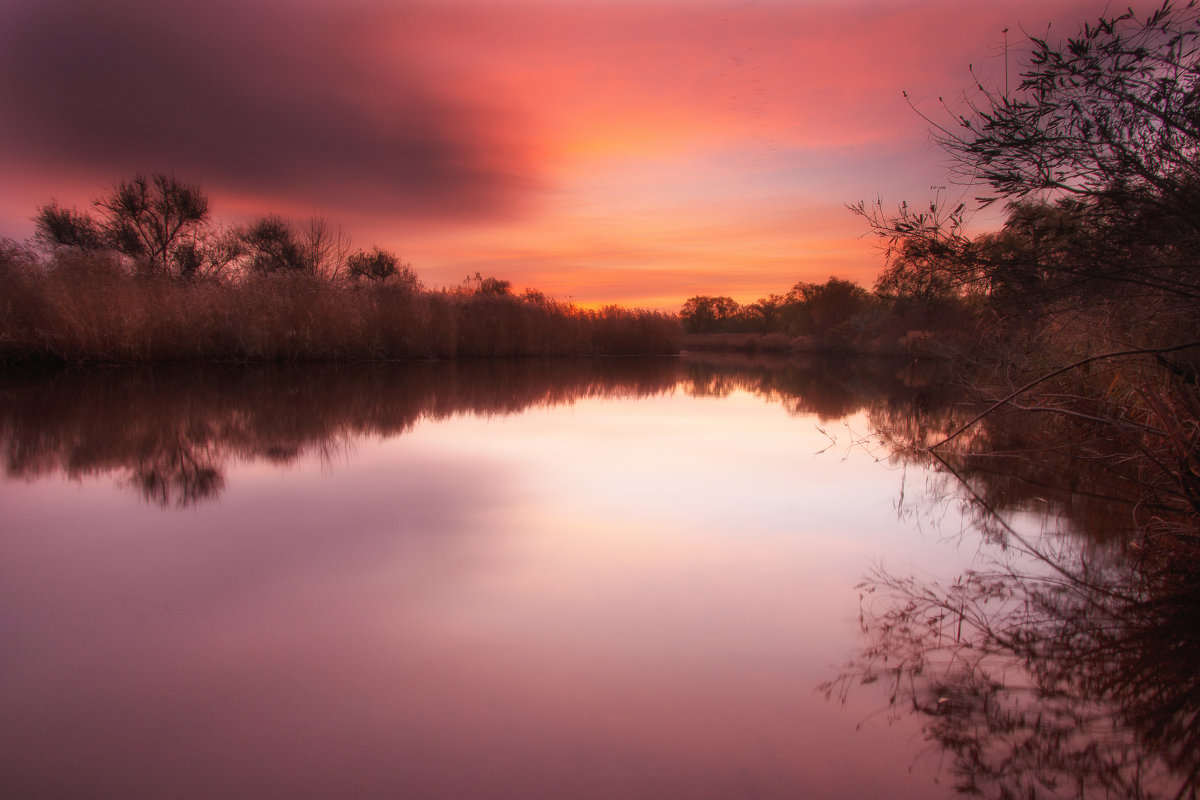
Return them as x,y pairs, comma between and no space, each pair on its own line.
272,246
1099,147
706,314
149,217
382,266
1044,674
1089,295
67,227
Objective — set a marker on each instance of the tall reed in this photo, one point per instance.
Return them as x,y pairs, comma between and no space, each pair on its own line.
79,308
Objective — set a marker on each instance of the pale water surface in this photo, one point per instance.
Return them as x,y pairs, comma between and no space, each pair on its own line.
488,581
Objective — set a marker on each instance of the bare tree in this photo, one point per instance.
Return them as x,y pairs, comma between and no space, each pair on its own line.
325,247
1110,111
148,217
1092,290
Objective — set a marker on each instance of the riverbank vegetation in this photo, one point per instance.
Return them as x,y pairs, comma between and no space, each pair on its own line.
837,316
1084,369
152,279
1086,304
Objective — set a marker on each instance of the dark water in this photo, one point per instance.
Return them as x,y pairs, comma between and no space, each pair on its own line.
592,579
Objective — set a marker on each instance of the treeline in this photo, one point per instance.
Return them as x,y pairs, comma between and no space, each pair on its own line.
151,278
838,315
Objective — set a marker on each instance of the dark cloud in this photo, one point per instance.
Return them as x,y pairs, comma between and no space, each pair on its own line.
329,107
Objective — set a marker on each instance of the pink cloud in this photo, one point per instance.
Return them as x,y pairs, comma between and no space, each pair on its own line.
576,143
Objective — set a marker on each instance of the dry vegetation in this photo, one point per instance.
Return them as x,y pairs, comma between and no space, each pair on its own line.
75,306
1061,665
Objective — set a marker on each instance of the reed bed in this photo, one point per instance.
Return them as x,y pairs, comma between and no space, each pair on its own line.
89,308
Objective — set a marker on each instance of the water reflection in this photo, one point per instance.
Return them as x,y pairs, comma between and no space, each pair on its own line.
1066,664
628,589
829,388
1059,677
171,432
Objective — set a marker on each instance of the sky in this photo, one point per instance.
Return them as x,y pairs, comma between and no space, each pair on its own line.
604,151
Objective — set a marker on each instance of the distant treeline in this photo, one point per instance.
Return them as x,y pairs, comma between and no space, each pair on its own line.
152,279
838,315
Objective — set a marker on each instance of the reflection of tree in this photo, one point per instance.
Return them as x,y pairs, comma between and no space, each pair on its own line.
180,476
171,431
1046,680
1069,667
827,387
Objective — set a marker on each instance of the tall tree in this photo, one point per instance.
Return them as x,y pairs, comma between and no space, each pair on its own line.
271,246
708,314
1092,286
1103,132
148,217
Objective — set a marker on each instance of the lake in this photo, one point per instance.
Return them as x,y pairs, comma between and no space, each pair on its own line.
636,578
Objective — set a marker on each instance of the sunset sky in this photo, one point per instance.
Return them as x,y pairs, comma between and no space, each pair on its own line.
632,151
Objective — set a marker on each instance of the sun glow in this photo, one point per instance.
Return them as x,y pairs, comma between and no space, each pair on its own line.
607,152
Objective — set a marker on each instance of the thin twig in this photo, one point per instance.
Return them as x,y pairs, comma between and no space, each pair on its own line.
1061,370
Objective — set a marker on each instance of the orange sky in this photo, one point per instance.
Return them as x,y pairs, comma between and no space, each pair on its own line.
632,151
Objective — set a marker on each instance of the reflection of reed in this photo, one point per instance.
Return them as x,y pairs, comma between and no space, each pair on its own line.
1065,677
1070,664
828,387
171,431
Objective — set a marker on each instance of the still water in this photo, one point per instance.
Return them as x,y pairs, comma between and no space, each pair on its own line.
625,578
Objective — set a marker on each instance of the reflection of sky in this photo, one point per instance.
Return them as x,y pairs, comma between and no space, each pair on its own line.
613,598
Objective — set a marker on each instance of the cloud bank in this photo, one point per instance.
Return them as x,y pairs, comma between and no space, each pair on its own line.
271,98
674,147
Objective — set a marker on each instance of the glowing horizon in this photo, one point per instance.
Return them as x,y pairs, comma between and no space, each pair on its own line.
635,153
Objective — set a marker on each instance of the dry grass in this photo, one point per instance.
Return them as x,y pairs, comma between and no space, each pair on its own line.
89,309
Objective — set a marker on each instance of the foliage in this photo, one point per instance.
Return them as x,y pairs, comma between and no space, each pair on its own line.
1099,257
152,282
705,314
67,227
1110,115
823,308
837,315
1074,670
150,217
80,307
380,265
1096,155
271,246
487,287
